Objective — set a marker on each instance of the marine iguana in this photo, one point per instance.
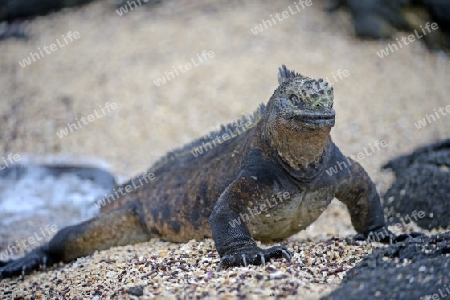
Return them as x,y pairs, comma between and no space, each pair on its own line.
286,150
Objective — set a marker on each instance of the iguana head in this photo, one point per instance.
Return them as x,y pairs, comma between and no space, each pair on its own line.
306,101
299,117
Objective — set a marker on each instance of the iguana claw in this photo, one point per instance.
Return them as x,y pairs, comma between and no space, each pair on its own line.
25,264
383,235
254,256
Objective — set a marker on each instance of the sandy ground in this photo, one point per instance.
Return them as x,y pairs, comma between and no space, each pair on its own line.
116,59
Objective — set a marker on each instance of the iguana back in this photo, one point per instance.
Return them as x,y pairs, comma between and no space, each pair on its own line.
187,182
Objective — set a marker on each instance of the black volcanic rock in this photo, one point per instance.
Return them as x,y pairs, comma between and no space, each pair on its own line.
421,191
416,268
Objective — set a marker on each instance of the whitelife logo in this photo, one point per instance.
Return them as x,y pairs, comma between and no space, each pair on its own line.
391,48
201,58
34,56
22,244
265,24
71,127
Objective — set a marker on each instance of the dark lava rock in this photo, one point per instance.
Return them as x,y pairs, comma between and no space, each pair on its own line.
416,268
421,192
11,10
374,18
439,10
15,11
381,19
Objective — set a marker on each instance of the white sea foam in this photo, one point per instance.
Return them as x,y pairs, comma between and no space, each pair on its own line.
35,191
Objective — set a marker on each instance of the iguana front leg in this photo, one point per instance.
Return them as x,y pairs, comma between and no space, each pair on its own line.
357,191
232,238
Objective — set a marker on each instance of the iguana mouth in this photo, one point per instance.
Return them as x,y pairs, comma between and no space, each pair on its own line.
316,119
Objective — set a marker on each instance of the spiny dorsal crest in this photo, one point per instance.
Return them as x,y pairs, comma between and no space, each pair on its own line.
285,74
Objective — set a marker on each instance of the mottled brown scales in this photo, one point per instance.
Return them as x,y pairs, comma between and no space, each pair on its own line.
284,148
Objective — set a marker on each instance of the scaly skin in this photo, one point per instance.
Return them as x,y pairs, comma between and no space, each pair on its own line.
266,182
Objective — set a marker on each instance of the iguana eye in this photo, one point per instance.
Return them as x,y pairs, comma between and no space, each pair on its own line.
293,98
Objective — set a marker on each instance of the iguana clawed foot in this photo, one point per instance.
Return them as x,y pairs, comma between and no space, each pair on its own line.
384,235
253,256
25,264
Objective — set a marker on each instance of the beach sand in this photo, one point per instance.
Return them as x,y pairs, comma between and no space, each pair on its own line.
117,60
